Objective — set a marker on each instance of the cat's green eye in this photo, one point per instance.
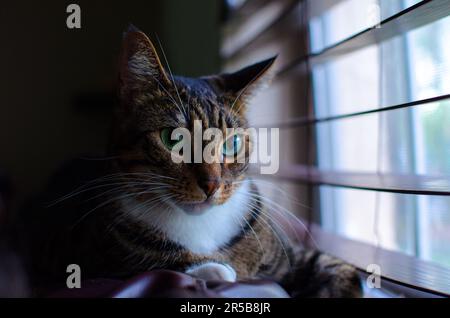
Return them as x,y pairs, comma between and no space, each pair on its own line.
232,146
166,138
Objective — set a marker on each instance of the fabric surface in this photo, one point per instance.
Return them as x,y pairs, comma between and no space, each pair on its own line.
165,283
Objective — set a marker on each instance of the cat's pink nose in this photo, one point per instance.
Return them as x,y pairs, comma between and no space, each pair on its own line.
209,186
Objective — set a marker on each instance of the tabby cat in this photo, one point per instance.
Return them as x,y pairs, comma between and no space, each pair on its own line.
204,219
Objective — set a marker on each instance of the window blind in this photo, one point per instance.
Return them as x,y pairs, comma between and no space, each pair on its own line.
252,32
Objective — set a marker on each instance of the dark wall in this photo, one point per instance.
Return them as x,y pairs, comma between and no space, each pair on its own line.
55,83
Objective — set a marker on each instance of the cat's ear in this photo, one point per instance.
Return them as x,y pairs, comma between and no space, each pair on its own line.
139,63
245,83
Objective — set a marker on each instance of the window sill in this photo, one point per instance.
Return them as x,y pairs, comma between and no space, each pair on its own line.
402,275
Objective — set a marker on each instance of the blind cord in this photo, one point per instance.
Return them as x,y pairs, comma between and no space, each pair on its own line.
380,147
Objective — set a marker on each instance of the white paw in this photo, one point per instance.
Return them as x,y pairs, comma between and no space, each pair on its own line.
213,271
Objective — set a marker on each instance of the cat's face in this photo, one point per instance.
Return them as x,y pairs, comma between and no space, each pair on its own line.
153,104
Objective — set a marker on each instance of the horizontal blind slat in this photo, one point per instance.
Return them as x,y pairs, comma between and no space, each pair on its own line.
305,121
409,19
407,184
244,33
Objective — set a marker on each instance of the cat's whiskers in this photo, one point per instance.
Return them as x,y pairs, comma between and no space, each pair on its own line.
271,229
160,197
171,75
122,177
144,187
276,187
115,185
273,205
249,194
167,209
255,234
289,198
272,219
111,200
162,200
251,205
145,208
125,215
169,95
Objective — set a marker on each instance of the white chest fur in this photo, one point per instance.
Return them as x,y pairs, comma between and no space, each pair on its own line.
202,234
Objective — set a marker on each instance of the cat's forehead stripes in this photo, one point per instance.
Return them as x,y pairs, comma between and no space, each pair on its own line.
180,103
204,104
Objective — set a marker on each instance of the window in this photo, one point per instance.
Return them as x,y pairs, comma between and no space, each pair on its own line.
410,67
362,99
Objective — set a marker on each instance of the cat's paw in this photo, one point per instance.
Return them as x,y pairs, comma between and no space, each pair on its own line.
213,271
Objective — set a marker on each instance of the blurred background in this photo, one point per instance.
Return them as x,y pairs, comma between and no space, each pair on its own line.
57,84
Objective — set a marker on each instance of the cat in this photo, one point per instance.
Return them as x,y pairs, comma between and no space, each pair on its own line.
147,212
